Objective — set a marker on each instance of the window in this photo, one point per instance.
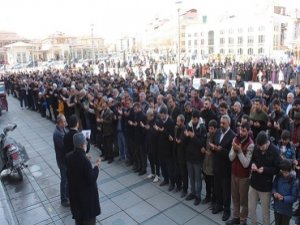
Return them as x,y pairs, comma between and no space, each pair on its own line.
202,41
222,32
250,51
201,34
189,43
24,57
222,41
250,29
261,51
250,39
183,35
189,35
230,31
240,40
195,35
261,39
230,41
230,51
240,51
276,41
240,30
182,43
211,37
18,58
195,42
261,28
211,50
276,28
202,52
222,51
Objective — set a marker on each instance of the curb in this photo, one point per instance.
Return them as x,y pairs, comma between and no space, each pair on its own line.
6,216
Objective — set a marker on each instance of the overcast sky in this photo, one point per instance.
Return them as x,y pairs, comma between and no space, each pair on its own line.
111,18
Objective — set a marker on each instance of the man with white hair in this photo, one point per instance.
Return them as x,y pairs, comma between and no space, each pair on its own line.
221,146
289,101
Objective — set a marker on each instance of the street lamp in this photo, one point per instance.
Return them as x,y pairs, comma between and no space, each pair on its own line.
92,36
178,3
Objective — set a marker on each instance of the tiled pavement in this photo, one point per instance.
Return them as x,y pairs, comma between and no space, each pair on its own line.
125,198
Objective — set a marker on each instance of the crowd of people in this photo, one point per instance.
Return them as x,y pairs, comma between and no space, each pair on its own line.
235,139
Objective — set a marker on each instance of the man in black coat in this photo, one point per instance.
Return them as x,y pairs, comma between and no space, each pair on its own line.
222,171
82,177
68,138
165,128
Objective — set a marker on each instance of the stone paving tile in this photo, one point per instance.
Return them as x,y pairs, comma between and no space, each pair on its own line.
160,219
108,208
129,179
141,211
24,201
51,191
126,200
120,218
33,216
162,201
146,191
111,187
180,213
49,181
200,219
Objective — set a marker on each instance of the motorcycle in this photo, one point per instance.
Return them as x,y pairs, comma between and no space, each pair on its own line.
13,154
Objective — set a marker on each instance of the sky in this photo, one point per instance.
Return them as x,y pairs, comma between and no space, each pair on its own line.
112,19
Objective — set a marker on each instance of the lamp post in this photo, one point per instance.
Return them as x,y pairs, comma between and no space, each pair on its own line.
179,45
92,37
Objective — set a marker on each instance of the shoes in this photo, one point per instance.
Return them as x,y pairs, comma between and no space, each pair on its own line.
171,187
104,159
137,170
110,161
197,201
226,215
163,183
217,209
128,163
65,203
178,189
233,221
150,176
243,222
156,179
183,194
142,172
190,197
206,200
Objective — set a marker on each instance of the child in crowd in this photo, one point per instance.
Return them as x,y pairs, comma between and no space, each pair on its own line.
285,189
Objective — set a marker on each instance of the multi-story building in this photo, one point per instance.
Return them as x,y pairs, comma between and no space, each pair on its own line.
7,38
126,44
240,36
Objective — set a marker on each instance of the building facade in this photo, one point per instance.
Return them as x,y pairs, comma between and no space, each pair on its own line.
7,38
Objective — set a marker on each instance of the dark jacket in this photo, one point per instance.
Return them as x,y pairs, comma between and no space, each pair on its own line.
68,142
193,145
221,160
84,197
288,188
58,140
164,144
270,161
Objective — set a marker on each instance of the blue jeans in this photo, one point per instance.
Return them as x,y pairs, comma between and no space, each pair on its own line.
64,186
194,172
122,145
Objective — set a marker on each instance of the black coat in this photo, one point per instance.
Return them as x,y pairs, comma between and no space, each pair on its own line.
165,146
270,161
84,197
221,160
68,142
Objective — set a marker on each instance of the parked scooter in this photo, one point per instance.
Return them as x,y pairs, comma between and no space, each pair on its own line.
13,154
